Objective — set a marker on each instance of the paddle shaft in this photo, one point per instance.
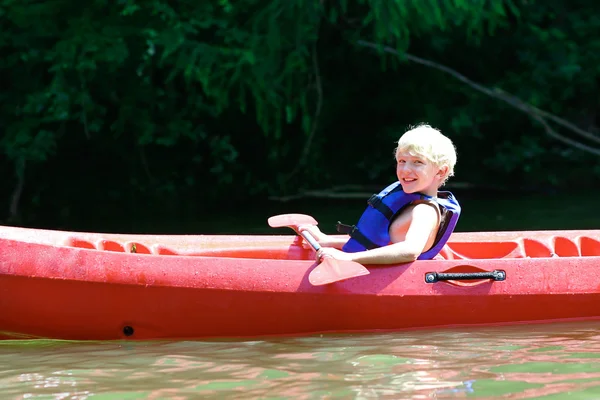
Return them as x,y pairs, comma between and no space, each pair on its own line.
311,240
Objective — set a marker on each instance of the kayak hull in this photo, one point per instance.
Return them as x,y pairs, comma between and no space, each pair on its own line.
87,286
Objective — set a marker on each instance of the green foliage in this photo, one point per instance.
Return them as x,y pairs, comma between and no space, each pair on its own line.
145,100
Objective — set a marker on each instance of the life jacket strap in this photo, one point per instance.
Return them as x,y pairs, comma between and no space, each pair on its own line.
376,202
356,235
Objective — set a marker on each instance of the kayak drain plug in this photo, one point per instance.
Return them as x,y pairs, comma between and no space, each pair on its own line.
128,330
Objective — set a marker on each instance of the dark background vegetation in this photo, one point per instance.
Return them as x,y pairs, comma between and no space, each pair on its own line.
145,115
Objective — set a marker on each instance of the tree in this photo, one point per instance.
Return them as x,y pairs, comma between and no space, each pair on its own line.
133,102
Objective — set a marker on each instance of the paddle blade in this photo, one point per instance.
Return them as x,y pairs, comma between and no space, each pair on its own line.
331,270
290,220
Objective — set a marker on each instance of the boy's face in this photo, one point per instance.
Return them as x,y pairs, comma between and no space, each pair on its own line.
418,174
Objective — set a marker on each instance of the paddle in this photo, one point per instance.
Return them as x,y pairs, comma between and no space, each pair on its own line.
329,269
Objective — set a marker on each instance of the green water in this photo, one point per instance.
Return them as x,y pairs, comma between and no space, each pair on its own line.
554,361
488,211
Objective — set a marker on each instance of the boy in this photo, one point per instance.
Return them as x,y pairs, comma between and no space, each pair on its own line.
409,219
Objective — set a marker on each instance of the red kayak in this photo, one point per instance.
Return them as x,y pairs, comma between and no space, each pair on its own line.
71,285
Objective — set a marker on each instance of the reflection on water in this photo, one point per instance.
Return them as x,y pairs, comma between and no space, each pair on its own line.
524,362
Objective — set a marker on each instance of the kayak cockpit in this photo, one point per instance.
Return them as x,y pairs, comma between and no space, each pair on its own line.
525,247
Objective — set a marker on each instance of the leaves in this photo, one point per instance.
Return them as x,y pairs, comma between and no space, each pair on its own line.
177,94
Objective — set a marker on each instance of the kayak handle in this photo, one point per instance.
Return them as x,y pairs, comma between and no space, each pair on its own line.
496,275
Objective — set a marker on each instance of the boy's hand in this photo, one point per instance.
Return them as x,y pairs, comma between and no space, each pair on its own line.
314,231
334,253
323,239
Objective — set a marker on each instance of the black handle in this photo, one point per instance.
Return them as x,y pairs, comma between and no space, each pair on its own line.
496,275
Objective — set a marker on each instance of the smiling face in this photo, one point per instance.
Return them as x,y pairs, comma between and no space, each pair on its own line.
425,158
418,174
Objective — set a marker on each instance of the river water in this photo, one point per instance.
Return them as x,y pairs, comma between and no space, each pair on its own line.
490,211
542,361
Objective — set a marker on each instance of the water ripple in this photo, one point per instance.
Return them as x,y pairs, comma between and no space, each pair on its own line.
523,362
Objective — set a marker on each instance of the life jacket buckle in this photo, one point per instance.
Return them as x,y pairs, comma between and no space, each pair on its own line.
345,229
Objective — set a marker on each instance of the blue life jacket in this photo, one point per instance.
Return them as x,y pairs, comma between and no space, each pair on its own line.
372,229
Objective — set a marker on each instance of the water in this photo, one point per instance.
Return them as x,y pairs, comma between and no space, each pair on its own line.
551,361
481,212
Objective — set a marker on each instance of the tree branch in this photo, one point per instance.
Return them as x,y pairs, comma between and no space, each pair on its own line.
315,121
144,163
319,106
534,112
83,106
13,211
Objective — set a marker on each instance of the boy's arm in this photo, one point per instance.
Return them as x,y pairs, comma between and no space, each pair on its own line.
424,221
335,242
324,239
